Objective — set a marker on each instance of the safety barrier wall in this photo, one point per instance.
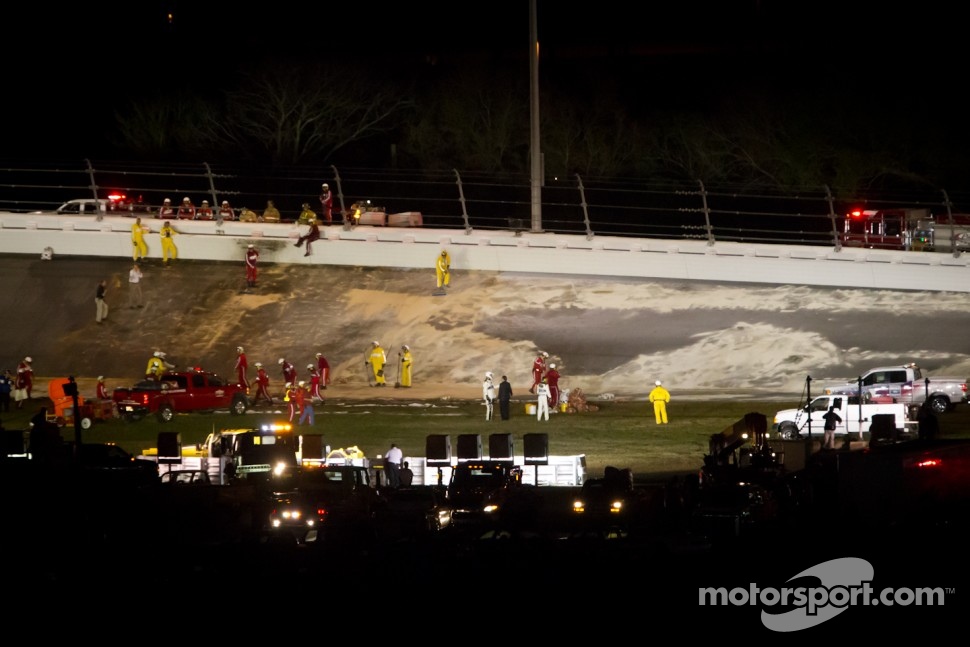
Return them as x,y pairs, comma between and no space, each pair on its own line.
500,251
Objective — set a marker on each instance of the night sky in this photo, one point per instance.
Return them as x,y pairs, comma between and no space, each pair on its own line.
69,68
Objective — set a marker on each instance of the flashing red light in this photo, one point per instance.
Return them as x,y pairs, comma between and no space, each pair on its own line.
115,197
856,213
930,462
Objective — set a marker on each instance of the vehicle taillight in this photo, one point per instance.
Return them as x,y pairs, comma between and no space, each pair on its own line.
929,463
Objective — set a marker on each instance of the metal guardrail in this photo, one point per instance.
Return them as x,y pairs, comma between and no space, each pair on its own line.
451,199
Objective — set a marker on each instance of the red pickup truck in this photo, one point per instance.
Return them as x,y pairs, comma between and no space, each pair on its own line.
178,392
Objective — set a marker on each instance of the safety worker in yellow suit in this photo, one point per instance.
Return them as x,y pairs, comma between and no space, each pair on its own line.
139,248
442,269
406,361
169,251
377,360
659,396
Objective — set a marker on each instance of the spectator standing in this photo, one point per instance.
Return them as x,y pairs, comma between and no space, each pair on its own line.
312,234
135,299
378,358
504,397
326,204
289,397
169,251
252,258
204,212
538,370
242,367
323,366
488,395
262,385
186,210
100,305
542,400
304,403
271,213
406,362
289,372
832,419
139,247
314,382
20,384
442,269
659,396
392,463
166,211
6,388
225,212
552,379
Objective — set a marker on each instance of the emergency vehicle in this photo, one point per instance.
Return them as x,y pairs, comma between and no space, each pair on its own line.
899,229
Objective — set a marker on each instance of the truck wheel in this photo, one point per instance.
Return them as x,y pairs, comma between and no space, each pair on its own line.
86,423
939,404
239,406
788,431
165,413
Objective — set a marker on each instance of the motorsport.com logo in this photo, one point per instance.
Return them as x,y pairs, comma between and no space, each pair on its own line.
843,583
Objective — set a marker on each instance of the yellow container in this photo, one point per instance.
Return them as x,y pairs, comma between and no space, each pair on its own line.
562,407
530,409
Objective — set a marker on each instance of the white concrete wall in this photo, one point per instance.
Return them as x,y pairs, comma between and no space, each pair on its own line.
501,251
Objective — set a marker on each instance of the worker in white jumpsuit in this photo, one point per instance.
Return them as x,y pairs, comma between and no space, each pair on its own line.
543,395
488,395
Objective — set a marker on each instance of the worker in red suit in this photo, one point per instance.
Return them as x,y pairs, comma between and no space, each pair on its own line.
262,385
538,369
552,379
289,371
252,255
323,366
326,204
314,382
242,366
186,210
102,390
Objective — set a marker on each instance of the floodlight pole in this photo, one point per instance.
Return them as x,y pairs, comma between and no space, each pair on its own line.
535,152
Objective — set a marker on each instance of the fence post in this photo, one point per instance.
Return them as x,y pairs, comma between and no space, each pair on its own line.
953,230
582,203
461,198
707,214
94,190
212,185
835,231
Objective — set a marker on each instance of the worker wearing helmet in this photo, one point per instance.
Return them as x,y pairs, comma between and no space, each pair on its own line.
442,269
326,204
25,378
488,395
289,371
406,361
552,379
204,212
242,366
138,247
155,366
167,211
538,370
323,366
252,271
659,396
289,397
314,382
225,212
377,359
102,390
262,385
186,210
169,251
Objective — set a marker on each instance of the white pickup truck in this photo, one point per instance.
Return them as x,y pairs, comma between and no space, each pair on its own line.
856,418
905,384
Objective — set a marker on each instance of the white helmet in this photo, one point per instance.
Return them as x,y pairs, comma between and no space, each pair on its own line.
319,355
301,383
377,343
309,366
239,349
100,378
281,361
28,360
406,347
326,186
205,202
488,375
552,366
289,385
657,382
258,364
186,200
545,354
166,201
225,203
157,353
